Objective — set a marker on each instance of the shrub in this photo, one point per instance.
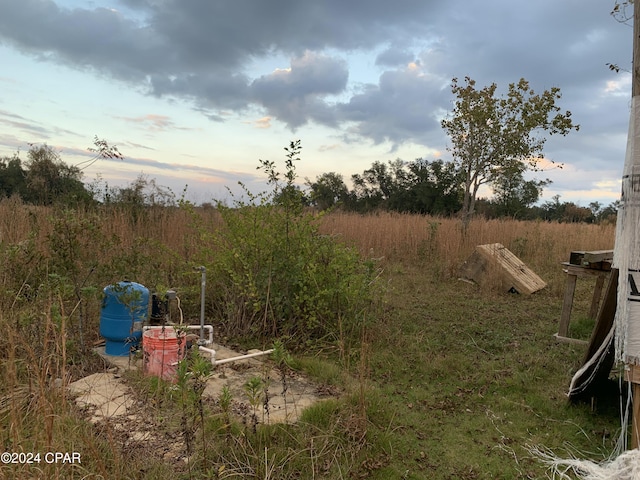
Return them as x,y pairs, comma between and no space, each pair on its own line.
275,275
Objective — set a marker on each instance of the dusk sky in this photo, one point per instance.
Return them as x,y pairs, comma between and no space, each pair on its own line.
196,91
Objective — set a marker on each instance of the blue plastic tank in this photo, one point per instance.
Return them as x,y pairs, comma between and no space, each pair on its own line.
125,306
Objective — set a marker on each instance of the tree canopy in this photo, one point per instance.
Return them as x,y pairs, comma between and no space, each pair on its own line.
422,186
494,139
44,179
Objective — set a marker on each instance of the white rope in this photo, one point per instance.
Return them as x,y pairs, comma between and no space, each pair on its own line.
625,466
596,359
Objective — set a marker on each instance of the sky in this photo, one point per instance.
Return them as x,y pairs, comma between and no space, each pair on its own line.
195,92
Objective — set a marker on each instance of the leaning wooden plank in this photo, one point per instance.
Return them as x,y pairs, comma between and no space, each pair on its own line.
599,358
522,278
496,259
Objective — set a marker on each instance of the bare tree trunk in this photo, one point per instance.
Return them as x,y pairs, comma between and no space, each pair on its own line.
467,204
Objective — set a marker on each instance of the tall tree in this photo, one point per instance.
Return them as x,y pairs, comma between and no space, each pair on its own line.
429,188
328,190
377,185
493,137
513,195
12,176
50,180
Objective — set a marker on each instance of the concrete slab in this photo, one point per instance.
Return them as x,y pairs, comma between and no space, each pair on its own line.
285,403
123,364
104,393
109,400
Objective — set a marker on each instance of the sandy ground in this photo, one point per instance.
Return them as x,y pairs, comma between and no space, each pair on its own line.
111,403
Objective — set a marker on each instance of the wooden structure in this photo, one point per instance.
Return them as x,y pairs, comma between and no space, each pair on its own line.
632,375
590,381
583,264
495,259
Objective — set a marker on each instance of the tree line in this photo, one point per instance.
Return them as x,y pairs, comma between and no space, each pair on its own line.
437,188
494,141
45,179
419,186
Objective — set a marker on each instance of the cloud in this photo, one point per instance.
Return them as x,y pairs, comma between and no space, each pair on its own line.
203,50
394,57
18,122
31,127
138,145
11,141
403,106
155,123
618,87
262,123
215,175
327,148
218,90
212,54
296,95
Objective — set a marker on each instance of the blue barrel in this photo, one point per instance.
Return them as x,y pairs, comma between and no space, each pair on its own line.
125,307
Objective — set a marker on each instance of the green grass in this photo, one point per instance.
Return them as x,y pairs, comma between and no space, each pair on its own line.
453,382
473,378
581,327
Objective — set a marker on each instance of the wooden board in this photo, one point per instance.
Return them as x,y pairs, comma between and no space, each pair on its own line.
573,272
599,259
496,259
590,382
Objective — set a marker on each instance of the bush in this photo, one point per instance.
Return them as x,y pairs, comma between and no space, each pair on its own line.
276,276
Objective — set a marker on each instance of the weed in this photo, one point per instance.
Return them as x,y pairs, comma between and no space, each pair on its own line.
283,360
224,401
253,388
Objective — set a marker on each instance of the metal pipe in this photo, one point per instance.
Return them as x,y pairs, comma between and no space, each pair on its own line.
209,328
203,284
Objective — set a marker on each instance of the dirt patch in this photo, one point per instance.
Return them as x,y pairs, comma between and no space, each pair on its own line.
125,415
286,399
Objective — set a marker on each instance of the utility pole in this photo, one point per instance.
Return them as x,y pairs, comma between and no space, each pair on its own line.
633,370
635,81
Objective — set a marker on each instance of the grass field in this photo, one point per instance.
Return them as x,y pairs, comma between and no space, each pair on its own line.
446,381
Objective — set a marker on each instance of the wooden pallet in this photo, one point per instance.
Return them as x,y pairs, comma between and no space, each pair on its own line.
496,259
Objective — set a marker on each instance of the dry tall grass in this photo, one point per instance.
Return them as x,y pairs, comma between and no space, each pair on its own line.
38,311
410,238
394,237
159,246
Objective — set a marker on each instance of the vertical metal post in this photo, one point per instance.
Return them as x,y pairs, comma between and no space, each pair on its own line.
203,284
